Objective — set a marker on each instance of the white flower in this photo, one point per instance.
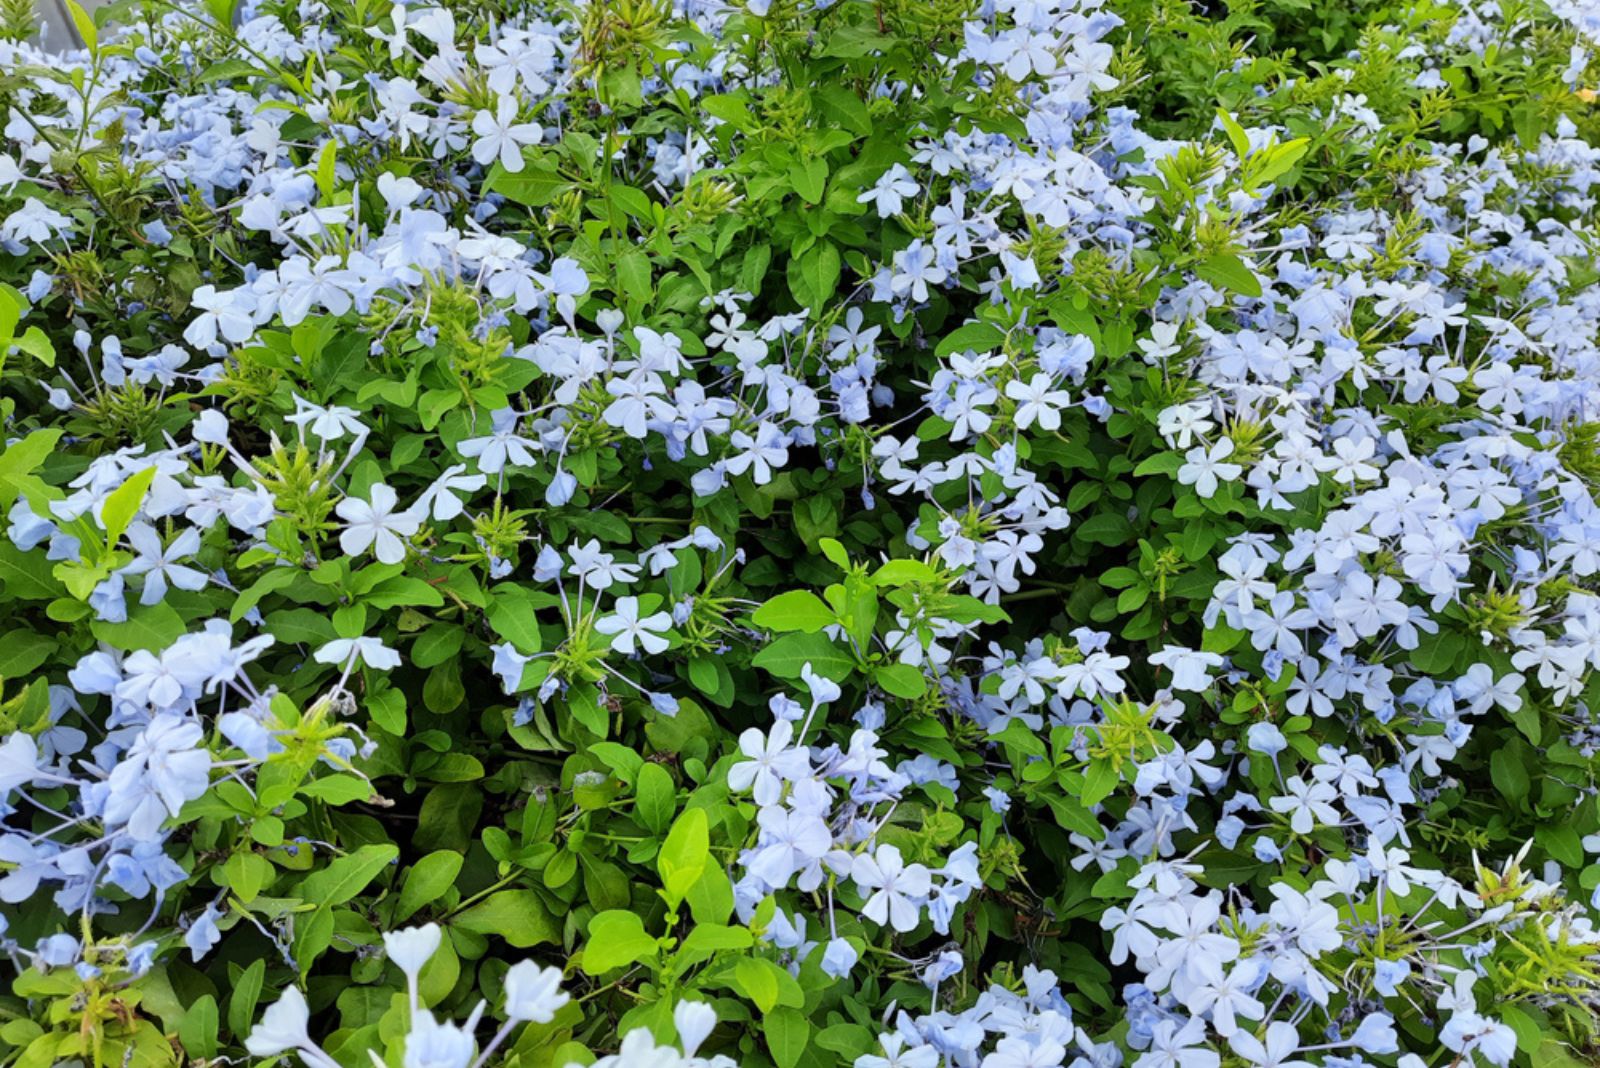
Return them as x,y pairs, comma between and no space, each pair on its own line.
1191,669
372,652
282,1027
396,40
1307,804
432,1044
500,135
626,626
35,222
759,455
412,948
441,501
19,762
1162,343
898,889
533,993
694,1020
1281,1043
210,427
376,523
227,314
329,424
770,762
888,193
1180,423
1172,1046
896,1055
10,173
1038,402
1203,467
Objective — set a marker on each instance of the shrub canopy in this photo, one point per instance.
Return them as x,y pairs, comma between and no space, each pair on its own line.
904,533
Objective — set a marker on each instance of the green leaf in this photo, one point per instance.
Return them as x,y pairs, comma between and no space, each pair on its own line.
711,899
786,656
328,168
246,995
347,876
1552,1053
1105,528
901,680
387,707
1099,779
246,874
434,646
1119,578
426,881
228,69
25,576
841,107
152,627
616,939
1436,654
633,275
753,266
338,789
17,465
655,798
198,1031
1236,135
730,109
857,604
1072,816
86,28
1561,841
814,276
848,1039
707,673
537,184
709,938
835,553
1162,463
123,503
797,610
312,935
633,201
518,916
402,591
583,703
767,984
300,625
853,42
787,1032
971,337
1227,271
1529,1035
21,651
623,762
35,342
275,579
810,178
10,316
684,854
1529,720
758,984
1509,775
222,11
1278,160
903,573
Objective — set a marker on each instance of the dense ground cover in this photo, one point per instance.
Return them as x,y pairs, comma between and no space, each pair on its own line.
888,532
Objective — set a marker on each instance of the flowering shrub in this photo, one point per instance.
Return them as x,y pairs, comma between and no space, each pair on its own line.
897,533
